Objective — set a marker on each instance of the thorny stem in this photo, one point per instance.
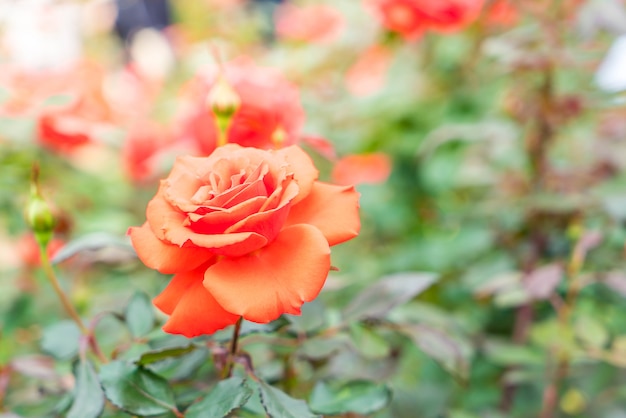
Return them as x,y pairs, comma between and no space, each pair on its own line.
228,369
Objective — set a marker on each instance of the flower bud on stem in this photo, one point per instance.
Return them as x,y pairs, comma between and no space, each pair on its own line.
38,213
41,220
224,102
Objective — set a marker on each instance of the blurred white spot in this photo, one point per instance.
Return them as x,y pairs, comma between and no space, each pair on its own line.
611,75
42,35
152,54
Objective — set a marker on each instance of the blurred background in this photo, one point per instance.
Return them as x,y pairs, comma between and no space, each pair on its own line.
487,140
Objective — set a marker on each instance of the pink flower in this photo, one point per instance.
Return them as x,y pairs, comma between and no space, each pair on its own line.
315,23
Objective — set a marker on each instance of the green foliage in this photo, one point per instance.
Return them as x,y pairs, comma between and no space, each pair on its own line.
88,394
278,404
136,390
489,268
139,315
360,397
61,340
225,397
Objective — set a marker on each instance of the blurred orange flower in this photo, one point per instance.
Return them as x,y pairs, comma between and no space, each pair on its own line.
314,23
270,115
246,233
372,168
28,249
411,18
502,12
146,150
368,74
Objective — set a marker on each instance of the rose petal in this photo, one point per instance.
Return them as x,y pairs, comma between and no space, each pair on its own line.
183,182
218,221
277,279
160,215
164,257
304,170
170,225
332,209
269,222
194,310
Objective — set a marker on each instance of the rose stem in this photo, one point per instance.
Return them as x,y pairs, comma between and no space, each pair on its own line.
228,370
69,308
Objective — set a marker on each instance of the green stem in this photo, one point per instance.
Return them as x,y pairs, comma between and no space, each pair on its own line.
223,123
67,305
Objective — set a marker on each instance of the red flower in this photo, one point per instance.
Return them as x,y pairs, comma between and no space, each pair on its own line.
270,115
411,18
246,233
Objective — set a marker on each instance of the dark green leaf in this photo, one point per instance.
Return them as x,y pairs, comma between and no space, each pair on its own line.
178,368
159,355
61,340
226,396
312,318
136,390
88,394
96,244
140,315
278,404
377,300
359,396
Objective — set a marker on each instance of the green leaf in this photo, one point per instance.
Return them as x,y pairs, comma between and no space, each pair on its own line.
591,332
369,343
136,390
311,319
225,397
278,404
448,351
393,290
359,396
508,354
159,355
179,368
94,247
324,346
61,340
140,315
88,394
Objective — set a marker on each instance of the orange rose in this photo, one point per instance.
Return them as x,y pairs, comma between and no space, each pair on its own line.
246,233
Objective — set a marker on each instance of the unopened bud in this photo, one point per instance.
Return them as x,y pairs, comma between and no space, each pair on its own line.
38,213
223,99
